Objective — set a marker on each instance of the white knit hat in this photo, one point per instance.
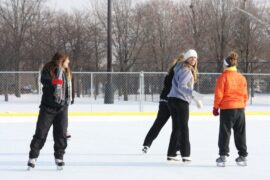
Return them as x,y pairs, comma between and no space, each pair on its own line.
190,53
225,62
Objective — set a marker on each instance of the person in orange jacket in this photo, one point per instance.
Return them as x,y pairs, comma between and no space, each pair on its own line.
231,98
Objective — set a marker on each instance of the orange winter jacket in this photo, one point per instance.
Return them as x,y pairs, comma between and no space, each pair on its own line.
231,90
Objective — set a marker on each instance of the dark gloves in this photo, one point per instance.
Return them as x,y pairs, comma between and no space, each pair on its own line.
215,111
72,101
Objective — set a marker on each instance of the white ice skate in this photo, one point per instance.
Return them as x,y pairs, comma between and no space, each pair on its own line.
31,164
68,135
59,164
241,161
221,161
173,158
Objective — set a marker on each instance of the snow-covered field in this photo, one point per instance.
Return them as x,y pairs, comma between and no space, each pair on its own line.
30,103
109,147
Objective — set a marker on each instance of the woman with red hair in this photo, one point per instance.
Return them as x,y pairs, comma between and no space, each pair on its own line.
231,98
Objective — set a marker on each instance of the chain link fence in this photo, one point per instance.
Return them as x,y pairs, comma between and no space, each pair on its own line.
138,90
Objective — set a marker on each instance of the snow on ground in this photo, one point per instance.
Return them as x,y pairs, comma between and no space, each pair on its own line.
34,107
110,148
30,103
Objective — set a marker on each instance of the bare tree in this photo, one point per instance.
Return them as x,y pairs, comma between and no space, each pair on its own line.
162,24
249,35
219,36
196,29
18,16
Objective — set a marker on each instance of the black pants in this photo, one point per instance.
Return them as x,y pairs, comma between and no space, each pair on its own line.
162,117
232,119
180,133
47,117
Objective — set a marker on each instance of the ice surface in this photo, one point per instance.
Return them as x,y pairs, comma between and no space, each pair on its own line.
110,148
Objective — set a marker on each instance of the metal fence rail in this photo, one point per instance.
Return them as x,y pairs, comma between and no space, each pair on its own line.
137,88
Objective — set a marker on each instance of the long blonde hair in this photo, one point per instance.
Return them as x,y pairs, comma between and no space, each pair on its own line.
194,69
179,59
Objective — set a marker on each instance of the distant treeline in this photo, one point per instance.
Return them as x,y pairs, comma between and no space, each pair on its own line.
146,36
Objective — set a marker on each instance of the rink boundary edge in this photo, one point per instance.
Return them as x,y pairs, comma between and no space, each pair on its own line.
29,114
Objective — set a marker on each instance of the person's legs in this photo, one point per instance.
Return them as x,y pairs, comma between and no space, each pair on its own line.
45,118
180,132
224,132
184,142
59,133
162,117
172,103
240,133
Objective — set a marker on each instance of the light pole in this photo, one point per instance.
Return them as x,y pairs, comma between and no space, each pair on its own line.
109,40
109,96
255,18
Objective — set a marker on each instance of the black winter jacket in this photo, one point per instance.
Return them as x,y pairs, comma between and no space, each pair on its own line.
51,87
167,84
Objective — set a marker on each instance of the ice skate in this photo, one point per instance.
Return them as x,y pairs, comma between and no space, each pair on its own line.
144,150
68,135
59,164
221,161
173,158
241,161
31,164
186,160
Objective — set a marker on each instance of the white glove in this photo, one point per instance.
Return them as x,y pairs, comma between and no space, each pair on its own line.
199,103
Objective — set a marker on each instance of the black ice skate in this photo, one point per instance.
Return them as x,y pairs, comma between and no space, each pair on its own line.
31,164
241,161
144,150
59,164
221,161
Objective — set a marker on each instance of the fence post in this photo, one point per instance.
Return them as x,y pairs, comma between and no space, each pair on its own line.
39,83
92,91
6,88
250,81
141,90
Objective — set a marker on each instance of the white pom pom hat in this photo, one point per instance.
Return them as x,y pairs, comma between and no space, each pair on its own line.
190,53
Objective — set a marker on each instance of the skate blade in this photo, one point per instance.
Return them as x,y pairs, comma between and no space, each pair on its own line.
144,152
186,162
221,164
241,164
173,161
29,168
59,168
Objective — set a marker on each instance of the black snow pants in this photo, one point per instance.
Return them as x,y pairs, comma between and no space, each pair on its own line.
47,117
232,119
162,117
180,133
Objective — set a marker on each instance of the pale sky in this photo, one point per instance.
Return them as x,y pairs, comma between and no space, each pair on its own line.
69,5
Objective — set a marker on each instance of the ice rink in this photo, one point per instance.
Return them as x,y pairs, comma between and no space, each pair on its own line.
109,147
